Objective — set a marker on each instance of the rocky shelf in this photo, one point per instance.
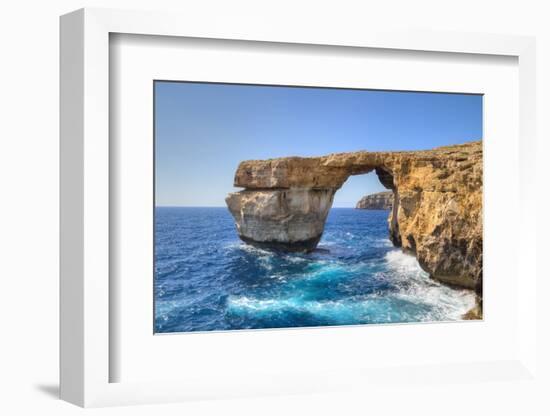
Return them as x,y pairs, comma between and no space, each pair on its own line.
436,214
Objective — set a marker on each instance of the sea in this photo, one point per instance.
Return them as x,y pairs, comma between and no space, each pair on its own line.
206,279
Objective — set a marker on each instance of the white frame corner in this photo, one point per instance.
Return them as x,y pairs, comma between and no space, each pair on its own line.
84,177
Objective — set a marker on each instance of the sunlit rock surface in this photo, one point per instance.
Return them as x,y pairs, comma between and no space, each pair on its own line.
379,200
284,219
436,214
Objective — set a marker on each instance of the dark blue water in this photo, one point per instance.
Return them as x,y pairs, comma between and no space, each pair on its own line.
206,279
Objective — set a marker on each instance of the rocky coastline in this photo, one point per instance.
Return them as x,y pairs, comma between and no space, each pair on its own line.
380,200
436,213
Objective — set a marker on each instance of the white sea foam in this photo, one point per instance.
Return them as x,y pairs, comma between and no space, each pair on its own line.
414,289
400,261
416,286
249,304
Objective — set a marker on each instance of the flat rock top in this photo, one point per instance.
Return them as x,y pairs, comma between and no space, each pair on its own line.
383,194
379,200
332,170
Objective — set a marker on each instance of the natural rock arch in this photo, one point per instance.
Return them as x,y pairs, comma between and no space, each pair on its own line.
436,214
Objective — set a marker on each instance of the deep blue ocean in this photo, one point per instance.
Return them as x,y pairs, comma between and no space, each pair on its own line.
207,279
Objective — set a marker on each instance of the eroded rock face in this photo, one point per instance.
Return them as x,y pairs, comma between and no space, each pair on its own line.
436,215
284,219
379,200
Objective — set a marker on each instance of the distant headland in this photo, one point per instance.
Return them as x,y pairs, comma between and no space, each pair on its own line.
379,200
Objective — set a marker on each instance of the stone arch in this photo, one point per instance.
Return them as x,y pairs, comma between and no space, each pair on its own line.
436,213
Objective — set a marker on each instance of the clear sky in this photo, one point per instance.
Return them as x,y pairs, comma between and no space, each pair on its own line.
203,131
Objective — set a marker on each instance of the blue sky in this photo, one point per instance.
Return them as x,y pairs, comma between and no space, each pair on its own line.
204,130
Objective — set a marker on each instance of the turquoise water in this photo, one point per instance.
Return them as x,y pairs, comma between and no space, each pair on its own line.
207,279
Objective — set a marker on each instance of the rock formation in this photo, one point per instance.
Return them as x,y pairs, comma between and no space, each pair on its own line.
380,200
436,214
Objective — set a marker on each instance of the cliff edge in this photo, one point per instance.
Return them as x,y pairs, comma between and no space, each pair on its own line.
379,200
436,214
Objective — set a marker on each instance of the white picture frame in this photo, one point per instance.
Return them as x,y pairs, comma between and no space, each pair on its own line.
86,356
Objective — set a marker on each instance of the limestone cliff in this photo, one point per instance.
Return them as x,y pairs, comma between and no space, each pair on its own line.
379,200
436,215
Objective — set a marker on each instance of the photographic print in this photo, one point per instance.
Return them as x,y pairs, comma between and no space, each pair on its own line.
288,206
